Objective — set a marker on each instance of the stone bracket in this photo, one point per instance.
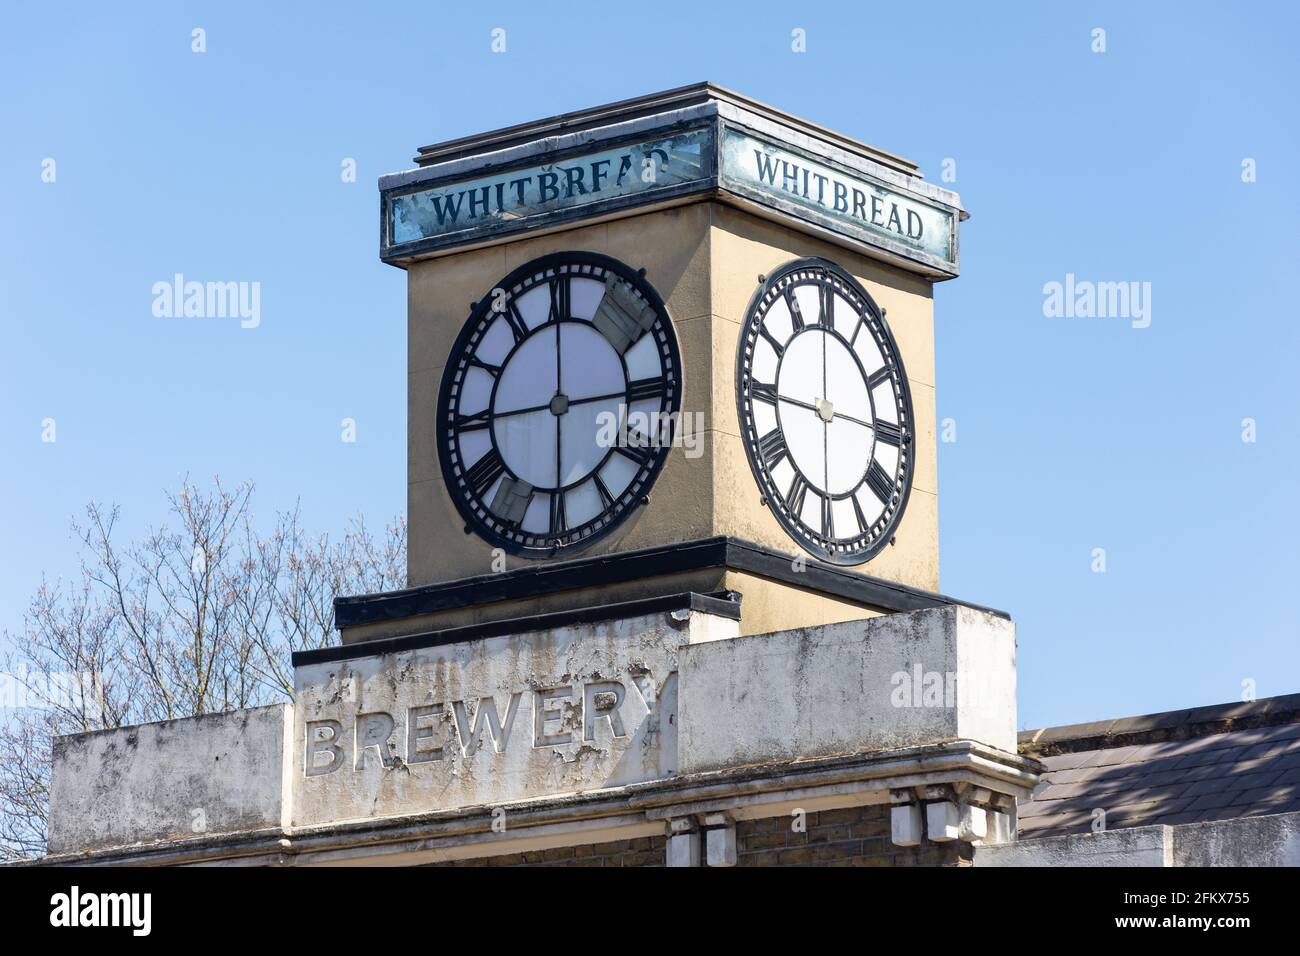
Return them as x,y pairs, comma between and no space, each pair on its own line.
951,812
707,839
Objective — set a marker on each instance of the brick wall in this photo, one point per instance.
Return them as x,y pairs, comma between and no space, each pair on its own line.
646,851
854,836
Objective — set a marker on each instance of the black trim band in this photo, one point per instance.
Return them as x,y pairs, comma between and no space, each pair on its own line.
721,603
718,552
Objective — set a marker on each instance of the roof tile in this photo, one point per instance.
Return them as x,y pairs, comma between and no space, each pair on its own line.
1227,774
1109,757
1212,801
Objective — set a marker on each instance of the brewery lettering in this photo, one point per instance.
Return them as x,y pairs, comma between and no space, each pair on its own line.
564,715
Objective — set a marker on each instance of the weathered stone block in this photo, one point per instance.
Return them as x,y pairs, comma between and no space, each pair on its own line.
684,849
942,821
172,780
898,680
491,721
1139,846
974,823
905,824
720,846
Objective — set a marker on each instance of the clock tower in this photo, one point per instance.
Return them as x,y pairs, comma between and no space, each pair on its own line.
677,344
674,557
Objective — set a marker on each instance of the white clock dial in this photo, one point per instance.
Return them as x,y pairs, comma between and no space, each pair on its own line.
825,411
546,391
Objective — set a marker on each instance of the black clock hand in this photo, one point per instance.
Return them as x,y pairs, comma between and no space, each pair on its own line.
826,429
813,408
572,402
559,390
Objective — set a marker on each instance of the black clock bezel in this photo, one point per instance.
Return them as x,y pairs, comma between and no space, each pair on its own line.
744,355
637,492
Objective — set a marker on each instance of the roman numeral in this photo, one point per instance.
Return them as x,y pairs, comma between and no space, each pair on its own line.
559,299
884,373
889,433
493,370
638,447
828,519
485,471
622,316
763,392
469,423
880,483
772,448
559,521
606,499
794,497
518,327
645,388
857,513
796,317
777,347
826,296
511,501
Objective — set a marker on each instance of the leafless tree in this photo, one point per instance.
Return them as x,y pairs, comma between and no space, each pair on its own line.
198,616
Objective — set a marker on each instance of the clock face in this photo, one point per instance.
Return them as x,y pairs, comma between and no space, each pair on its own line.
825,411
558,403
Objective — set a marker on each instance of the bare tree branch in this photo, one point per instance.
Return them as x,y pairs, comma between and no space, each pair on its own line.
199,615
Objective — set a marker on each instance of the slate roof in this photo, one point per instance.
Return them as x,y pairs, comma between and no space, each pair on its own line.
1208,763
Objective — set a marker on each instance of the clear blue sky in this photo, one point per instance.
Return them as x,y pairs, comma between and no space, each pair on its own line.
1071,434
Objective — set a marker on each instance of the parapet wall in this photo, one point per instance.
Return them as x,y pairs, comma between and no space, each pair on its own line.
1269,840
177,779
595,731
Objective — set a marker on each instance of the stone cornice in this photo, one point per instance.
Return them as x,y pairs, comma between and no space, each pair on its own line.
615,813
